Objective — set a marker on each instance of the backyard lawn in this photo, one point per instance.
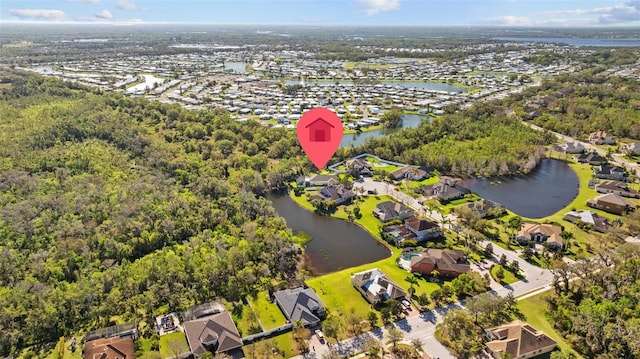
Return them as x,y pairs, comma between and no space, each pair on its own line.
534,309
173,344
268,312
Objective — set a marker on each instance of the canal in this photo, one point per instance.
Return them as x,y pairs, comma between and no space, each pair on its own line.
336,244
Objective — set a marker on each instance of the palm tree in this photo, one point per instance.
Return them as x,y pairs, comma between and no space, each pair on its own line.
412,280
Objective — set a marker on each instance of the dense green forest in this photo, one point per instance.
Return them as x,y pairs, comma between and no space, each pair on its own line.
113,206
578,104
598,314
482,141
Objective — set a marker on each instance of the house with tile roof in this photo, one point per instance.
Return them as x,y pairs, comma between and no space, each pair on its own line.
109,348
540,233
450,263
611,203
518,340
300,304
423,229
215,333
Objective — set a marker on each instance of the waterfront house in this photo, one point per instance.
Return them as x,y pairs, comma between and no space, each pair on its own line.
359,166
592,158
485,208
323,180
423,229
571,147
336,193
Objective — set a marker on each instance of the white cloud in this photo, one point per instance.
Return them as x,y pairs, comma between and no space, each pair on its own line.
105,15
127,5
39,14
371,7
619,14
94,2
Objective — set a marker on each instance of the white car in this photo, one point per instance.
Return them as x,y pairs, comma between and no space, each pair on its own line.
320,336
406,304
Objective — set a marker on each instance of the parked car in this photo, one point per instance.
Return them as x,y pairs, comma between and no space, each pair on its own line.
406,303
320,336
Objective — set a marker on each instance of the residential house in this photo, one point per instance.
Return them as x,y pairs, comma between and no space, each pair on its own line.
449,263
323,180
485,208
617,187
599,223
610,172
409,172
571,147
389,211
630,148
359,166
338,194
540,233
601,138
517,340
216,333
376,287
109,348
445,190
398,234
423,229
611,203
300,304
592,158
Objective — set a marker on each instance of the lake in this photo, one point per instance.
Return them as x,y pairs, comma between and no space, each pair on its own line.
543,192
336,244
624,42
356,139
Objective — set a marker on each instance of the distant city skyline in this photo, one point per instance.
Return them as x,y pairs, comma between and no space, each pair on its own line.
514,13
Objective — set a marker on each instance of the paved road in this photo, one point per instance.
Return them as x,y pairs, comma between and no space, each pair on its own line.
617,158
423,325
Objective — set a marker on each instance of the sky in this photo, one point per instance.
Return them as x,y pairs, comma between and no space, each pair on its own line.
563,13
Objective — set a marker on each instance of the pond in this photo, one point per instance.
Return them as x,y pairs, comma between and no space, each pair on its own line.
356,139
543,192
236,67
336,244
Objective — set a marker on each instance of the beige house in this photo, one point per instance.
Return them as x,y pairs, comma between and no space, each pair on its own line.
601,138
517,340
539,233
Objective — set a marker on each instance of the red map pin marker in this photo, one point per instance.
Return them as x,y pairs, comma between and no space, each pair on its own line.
320,132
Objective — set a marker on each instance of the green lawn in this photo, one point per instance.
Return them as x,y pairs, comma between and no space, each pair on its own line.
286,343
509,277
534,309
268,312
173,344
366,204
337,292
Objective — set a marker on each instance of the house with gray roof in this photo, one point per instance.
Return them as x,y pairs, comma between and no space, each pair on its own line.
300,304
216,333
